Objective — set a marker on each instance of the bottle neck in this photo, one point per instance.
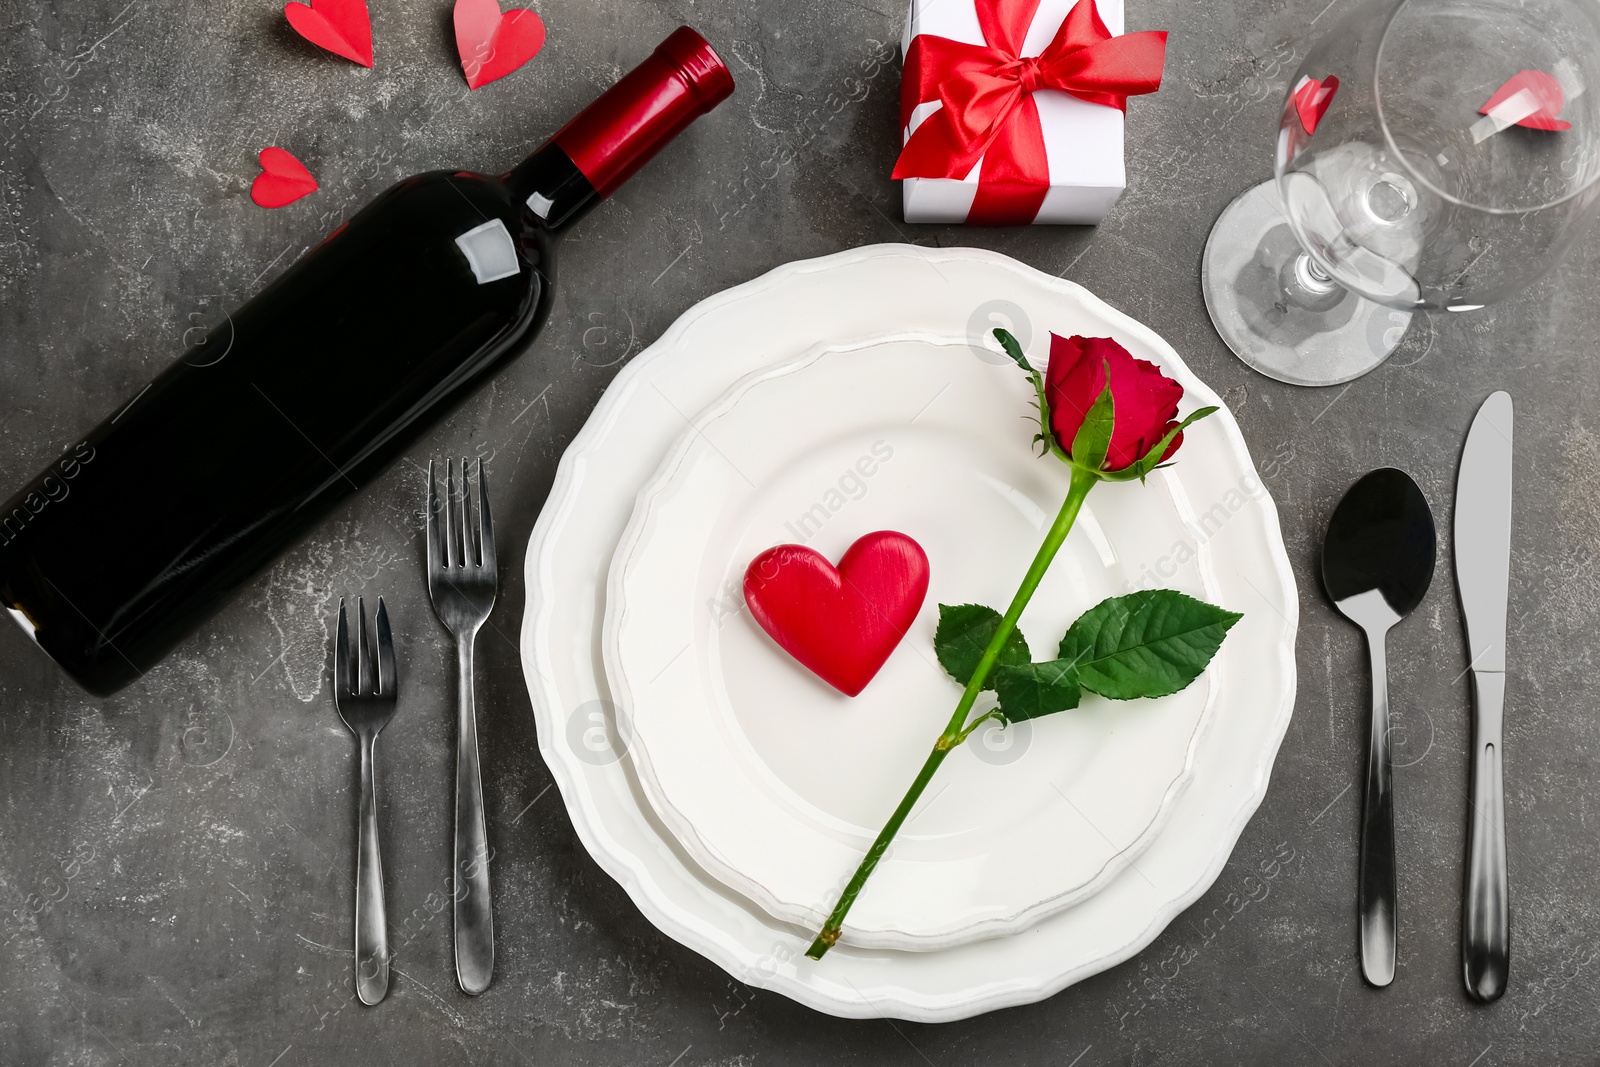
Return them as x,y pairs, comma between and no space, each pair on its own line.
604,144
552,187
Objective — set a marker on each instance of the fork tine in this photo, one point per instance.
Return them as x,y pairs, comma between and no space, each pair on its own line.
341,656
386,679
469,554
485,524
451,508
435,550
363,686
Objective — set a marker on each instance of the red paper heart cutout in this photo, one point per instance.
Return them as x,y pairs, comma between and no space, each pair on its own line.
492,44
283,179
1545,96
343,27
1312,98
841,623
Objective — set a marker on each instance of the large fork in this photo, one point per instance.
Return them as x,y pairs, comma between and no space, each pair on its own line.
364,689
462,578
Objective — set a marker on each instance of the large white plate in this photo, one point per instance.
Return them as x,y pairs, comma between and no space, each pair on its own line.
776,783
863,293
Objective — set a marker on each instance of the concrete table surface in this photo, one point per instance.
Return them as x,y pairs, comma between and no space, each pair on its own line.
176,862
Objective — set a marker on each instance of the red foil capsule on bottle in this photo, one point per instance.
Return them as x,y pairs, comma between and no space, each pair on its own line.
618,133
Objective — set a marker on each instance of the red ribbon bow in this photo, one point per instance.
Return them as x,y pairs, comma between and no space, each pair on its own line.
987,92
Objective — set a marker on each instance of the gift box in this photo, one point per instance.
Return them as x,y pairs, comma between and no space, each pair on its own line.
1012,110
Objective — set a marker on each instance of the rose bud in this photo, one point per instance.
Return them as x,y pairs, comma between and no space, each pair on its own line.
1144,401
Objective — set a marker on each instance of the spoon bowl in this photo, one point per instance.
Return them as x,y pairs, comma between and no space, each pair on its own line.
1377,564
1381,537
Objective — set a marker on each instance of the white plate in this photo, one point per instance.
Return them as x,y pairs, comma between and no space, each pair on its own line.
868,292
775,782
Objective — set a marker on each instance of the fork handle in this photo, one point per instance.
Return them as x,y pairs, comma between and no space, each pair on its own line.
474,919
372,927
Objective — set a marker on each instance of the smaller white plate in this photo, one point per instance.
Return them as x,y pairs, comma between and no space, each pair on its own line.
775,782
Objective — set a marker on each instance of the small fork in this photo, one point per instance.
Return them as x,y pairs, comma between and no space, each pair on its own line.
462,579
364,691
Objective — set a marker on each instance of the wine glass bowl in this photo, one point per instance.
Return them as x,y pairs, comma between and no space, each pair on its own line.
1431,155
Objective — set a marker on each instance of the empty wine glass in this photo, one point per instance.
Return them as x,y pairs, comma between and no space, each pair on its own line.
1432,154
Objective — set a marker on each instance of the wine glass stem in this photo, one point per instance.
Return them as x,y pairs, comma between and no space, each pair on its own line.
1305,284
1315,276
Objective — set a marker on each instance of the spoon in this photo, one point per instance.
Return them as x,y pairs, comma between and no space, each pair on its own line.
1377,562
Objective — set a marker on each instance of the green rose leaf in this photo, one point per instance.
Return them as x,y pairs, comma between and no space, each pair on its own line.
1093,439
965,632
1146,644
1014,350
1045,438
1031,690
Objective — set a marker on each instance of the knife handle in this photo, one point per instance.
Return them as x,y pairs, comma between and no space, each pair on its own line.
1485,908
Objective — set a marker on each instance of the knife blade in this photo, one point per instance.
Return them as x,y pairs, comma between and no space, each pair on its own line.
1483,532
1483,579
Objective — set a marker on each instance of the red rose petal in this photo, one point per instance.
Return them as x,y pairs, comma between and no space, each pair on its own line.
1144,400
283,179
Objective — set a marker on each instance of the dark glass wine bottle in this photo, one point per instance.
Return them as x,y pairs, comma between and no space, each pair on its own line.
140,531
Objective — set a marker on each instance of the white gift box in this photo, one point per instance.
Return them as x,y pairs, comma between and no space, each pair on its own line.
1082,141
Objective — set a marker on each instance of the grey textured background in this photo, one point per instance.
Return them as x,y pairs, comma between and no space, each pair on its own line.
175,863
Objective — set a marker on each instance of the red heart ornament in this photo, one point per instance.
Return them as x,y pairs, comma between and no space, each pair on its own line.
841,623
1312,98
283,179
1544,97
493,44
343,27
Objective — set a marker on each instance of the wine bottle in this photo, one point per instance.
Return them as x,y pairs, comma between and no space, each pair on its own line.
307,392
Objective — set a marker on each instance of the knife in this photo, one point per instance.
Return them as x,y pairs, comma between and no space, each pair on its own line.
1483,578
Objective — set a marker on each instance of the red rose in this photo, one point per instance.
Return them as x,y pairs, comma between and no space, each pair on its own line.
1144,401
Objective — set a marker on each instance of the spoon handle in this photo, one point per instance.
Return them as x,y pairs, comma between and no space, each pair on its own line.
1485,911
1377,893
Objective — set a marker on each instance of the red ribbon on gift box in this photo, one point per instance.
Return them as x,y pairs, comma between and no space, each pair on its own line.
987,92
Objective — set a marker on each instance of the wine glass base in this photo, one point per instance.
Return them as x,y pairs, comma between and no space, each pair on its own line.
1250,250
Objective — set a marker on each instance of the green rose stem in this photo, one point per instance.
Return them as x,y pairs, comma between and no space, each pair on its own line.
956,731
